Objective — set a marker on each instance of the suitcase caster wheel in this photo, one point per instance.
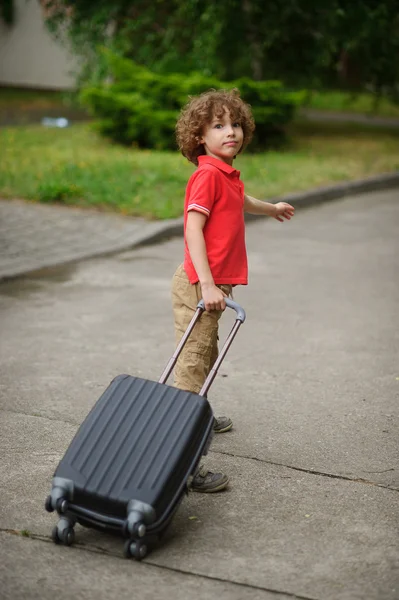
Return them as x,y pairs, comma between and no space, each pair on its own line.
126,549
54,535
139,530
68,536
47,505
61,505
135,550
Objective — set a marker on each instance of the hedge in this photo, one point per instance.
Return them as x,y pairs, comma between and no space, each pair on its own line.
138,107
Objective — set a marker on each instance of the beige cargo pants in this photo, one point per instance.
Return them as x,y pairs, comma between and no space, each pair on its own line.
201,350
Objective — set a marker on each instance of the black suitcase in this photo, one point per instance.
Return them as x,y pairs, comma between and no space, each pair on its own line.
131,461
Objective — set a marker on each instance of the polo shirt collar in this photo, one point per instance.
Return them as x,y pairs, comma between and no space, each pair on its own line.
204,159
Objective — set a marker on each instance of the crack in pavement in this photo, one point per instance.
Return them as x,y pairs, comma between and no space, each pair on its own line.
383,471
261,460
310,471
38,416
99,550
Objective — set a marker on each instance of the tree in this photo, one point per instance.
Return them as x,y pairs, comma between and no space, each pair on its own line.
369,44
305,44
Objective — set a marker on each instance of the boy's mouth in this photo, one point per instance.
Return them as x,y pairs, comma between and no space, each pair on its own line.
230,144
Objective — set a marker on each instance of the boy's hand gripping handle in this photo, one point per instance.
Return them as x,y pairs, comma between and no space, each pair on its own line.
240,318
231,304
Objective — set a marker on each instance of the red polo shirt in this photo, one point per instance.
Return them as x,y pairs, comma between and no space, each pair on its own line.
215,189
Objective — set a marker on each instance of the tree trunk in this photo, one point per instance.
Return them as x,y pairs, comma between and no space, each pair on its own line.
253,41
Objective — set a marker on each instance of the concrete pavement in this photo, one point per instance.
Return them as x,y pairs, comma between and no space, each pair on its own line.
329,116
312,385
36,236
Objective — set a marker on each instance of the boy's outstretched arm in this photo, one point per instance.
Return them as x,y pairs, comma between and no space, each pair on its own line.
279,211
212,295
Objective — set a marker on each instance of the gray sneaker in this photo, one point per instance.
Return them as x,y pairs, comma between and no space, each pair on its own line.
222,424
206,481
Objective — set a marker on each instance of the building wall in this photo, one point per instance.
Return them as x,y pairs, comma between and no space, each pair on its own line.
29,56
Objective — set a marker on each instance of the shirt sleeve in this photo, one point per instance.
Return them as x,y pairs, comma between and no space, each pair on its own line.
202,193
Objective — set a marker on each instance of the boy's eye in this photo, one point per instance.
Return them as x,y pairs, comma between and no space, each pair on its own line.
219,125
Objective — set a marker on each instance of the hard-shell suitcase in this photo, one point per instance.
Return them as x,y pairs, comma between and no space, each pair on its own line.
131,461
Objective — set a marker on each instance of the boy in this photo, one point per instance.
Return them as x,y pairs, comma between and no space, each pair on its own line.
211,130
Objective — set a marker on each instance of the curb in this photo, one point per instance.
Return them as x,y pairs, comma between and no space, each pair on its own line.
341,190
158,232
300,200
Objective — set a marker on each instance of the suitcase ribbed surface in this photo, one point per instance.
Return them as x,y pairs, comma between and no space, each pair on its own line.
136,436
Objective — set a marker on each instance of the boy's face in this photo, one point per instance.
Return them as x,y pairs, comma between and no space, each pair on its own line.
223,138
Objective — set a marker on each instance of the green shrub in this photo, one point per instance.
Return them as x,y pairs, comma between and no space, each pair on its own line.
139,107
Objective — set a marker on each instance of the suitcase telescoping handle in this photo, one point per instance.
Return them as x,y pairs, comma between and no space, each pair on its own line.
240,318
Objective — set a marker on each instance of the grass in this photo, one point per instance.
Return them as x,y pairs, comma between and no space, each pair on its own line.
25,533
363,103
75,166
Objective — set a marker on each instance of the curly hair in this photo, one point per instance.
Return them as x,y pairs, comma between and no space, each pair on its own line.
200,111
